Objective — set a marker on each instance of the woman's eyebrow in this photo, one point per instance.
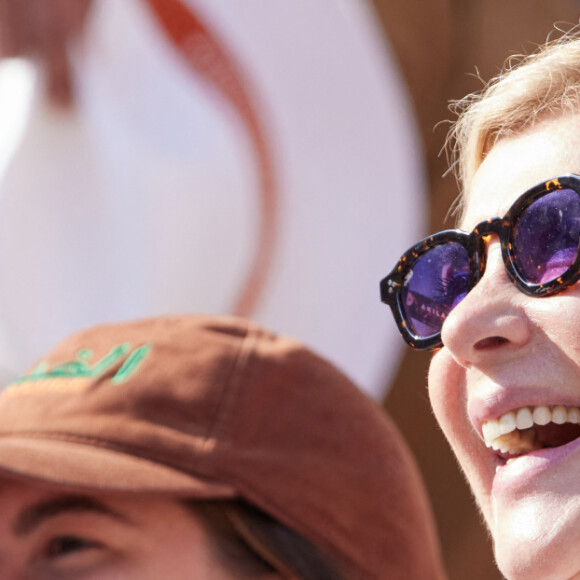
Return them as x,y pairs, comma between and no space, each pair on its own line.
32,516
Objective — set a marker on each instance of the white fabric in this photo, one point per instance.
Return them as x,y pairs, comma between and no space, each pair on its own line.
143,202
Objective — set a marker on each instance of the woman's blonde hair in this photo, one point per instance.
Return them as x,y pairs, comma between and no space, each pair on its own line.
528,89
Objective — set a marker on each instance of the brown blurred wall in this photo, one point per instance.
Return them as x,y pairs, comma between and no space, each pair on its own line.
440,44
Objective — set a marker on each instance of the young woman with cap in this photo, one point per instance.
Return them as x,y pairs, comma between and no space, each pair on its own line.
499,300
207,448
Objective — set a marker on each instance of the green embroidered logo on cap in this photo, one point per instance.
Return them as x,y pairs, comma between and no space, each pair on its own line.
82,367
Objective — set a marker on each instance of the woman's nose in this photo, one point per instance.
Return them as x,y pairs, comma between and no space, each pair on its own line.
491,320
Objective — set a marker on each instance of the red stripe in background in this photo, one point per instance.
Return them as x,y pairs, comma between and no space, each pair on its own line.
207,57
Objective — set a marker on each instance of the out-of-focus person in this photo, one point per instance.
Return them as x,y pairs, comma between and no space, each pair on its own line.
198,447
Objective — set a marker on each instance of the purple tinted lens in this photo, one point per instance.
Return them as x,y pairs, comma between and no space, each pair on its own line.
437,281
545,238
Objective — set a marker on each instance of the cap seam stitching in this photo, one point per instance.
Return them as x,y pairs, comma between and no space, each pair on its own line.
233,380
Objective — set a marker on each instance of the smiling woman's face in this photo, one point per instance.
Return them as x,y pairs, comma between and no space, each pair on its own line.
48,534
505,351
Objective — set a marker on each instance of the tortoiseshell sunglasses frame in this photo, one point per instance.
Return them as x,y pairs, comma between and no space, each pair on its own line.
475,244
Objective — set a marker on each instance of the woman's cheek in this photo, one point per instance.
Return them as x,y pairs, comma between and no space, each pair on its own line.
447,391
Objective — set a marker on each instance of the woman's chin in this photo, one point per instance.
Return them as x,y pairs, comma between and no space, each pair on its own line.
535,543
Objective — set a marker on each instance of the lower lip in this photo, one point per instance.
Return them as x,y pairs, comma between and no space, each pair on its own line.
522,471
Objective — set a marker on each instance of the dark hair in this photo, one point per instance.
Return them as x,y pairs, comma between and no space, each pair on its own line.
250,542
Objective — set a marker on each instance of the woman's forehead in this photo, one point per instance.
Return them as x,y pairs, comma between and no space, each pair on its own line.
514,164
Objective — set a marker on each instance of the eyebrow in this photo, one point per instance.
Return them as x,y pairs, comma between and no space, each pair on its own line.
34,515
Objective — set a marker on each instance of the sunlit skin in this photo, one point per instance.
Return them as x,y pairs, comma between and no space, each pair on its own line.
51,534
503,350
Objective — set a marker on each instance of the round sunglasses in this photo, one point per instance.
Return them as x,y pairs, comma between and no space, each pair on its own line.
539,238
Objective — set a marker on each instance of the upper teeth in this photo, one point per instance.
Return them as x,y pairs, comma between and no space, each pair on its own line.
496,432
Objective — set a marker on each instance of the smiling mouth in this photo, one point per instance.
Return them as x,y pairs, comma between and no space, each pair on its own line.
530,428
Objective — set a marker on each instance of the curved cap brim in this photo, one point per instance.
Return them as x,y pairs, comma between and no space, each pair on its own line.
70,464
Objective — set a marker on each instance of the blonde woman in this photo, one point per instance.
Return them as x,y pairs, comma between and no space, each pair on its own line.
498,301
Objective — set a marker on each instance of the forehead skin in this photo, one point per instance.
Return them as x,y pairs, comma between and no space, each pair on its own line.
106,537
509,170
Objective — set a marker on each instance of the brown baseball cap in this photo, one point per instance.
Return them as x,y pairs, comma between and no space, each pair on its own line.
217,407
